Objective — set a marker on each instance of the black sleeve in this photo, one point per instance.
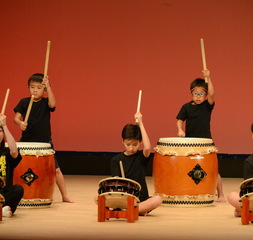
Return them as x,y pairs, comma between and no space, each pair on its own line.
182,113
115,168
248,167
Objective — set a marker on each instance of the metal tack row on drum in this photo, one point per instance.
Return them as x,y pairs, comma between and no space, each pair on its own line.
185,171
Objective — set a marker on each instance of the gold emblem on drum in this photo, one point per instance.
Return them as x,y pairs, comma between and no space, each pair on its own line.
197,174
29,177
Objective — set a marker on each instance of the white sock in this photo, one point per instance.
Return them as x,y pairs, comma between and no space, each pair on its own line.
6,211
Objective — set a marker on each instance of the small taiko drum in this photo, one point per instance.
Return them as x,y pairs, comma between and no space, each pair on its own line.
36,174
246,191
185,171
116,191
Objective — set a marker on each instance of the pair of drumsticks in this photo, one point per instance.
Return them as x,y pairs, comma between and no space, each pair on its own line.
32,97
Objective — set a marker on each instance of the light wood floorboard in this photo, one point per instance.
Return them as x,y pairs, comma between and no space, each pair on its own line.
79,220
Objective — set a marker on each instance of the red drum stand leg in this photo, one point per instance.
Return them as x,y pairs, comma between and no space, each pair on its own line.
0,212
247,215
131,213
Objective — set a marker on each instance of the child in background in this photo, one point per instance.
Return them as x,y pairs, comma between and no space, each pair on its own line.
135,161
38,128
233,197
197,115
9,159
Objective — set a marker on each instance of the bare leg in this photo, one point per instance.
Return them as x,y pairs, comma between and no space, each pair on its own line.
233,199
149,204
221,197
62,187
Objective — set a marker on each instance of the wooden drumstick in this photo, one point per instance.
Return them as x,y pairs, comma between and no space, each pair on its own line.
5,101
47,58
139,104
121,169
29,109
203,56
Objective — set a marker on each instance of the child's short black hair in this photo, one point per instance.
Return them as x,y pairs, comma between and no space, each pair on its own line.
252,127
199,82
131,131
37,77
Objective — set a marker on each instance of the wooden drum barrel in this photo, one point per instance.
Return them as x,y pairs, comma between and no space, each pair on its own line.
185,171
36,174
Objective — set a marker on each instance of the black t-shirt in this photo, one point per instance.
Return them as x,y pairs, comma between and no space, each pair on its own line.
197,117
39,128
134,168
7,165
248,167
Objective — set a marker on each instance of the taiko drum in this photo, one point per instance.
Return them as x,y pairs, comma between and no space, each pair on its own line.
185,171
116,191
36,174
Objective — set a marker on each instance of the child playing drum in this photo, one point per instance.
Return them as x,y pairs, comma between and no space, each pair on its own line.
9,159
38,128
135,161
197,115
233,197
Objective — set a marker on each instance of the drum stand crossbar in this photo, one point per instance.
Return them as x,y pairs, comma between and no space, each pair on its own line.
246,212
105,213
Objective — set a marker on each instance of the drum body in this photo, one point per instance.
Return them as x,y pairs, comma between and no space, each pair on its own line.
185,171
246,191
36,174
116,191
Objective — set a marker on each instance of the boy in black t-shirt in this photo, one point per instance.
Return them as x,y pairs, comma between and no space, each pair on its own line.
197,115
38,128
135,161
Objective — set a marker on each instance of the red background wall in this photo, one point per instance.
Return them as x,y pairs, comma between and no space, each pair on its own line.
104,51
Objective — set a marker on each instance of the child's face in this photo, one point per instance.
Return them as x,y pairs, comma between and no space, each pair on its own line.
131,145
198,95
36,89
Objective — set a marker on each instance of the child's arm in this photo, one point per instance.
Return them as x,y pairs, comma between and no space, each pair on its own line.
50,94
210,94
145,138
9,138
18,121
180,131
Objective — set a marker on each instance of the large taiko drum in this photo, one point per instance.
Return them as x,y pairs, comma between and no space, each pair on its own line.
36,174
116,191
185,171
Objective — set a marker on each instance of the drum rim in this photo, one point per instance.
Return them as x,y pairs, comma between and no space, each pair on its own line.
31,144
185,139
119,178
245,181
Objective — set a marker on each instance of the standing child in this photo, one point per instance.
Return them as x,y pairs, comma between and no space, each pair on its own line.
233,197
9,159
38,128
135,161
197,115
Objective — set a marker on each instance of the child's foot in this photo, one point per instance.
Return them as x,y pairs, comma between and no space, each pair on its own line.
67,199
6,211
237,213
221,199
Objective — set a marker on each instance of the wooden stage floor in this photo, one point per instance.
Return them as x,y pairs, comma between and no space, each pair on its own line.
79,220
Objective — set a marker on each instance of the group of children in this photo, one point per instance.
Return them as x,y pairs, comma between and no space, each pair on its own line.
196,114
